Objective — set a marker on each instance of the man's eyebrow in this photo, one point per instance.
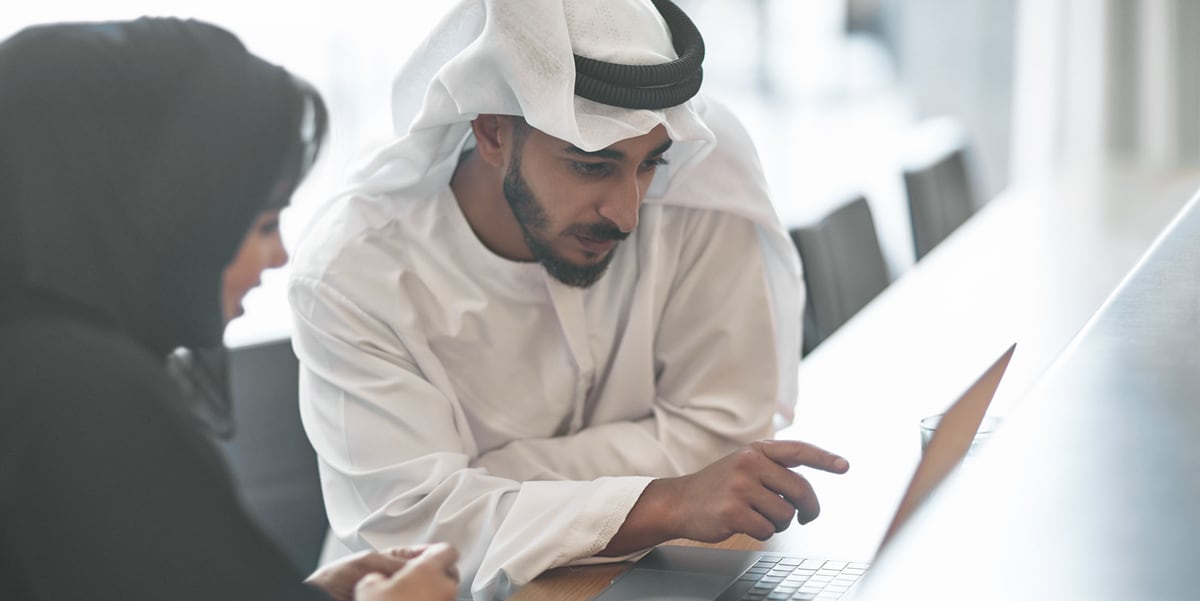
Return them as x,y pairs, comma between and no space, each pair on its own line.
614,154
662,147
603,153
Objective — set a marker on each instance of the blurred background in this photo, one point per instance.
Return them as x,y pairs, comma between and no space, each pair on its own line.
841,95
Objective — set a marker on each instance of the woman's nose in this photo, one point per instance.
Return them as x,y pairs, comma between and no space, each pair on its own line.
278,253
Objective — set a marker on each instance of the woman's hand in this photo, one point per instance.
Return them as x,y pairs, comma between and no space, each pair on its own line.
396,574
431,575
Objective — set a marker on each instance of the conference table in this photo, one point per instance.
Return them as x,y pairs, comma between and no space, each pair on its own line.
1031,267
1093,489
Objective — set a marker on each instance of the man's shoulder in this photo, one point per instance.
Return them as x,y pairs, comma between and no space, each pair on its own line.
365,229
369,250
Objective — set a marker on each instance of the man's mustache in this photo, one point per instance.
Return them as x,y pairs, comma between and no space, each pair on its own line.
599,231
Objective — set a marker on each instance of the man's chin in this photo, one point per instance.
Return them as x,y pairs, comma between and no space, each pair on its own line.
578,275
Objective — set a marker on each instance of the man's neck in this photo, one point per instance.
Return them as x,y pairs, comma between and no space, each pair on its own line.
478,187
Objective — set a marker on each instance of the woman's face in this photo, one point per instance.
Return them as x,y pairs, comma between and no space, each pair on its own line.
261,249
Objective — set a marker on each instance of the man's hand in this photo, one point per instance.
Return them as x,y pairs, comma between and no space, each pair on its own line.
342,579
750,491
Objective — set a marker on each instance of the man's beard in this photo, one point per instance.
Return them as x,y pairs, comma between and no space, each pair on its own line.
532,218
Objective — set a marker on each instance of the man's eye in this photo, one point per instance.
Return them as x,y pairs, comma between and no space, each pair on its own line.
590,169
268,227
653,164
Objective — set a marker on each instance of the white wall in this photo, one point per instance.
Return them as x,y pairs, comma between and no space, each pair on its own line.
1103,83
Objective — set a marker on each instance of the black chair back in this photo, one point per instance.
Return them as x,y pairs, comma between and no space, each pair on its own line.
843,268
272,461
940,198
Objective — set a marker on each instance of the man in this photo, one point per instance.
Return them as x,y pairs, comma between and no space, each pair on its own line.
552,289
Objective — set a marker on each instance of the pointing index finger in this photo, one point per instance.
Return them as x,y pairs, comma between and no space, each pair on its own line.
793,453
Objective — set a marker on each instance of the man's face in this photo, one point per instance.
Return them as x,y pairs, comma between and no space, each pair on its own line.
573,206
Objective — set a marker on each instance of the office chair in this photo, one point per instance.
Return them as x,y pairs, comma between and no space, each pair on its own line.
843,268
269,453
937,180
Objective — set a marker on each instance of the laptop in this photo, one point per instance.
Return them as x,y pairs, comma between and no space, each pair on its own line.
676,573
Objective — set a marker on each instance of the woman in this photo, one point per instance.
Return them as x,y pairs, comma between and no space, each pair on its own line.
142,168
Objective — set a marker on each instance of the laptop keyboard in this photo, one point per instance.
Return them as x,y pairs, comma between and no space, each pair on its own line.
779,578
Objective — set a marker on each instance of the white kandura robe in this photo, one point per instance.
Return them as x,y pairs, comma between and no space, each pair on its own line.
453,395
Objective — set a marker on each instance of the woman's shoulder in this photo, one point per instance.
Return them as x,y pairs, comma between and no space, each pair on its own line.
86,390
63,358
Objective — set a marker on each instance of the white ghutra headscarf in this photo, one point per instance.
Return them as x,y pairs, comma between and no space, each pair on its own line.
516,57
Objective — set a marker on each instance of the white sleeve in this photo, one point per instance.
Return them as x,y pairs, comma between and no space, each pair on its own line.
394,454
715,358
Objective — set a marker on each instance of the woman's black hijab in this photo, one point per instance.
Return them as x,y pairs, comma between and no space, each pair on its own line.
133,158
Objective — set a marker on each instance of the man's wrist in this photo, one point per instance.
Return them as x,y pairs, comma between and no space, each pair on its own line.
652,520
662,505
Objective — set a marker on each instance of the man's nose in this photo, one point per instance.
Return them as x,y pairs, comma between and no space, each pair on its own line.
622,204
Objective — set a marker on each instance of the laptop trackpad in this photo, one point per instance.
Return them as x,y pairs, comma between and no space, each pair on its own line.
655,585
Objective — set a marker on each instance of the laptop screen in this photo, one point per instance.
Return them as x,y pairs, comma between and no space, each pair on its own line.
950,443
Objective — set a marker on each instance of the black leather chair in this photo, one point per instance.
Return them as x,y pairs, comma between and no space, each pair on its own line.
272,461
843,268
941,195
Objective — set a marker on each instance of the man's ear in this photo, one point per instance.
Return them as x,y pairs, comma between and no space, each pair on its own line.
493,138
